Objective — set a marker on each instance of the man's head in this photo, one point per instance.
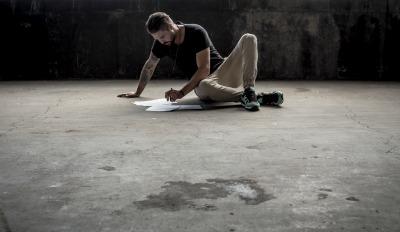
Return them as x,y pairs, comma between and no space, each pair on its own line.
161,28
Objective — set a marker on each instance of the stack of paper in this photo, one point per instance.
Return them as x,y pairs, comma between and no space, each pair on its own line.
163,105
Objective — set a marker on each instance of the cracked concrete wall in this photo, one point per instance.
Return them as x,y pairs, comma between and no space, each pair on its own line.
304,39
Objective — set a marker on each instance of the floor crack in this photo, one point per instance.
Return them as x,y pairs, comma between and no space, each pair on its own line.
49,108
392,148
14,125
353,116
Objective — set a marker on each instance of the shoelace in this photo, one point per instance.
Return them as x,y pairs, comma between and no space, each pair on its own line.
251,96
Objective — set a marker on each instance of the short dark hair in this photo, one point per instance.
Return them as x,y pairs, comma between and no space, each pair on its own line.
157,21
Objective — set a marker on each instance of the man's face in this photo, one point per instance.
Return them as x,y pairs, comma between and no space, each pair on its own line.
164,36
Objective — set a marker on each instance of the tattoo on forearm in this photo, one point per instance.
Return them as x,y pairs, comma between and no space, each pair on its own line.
146,73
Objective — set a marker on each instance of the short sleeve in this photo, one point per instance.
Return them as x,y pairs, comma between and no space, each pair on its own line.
157,49
202,40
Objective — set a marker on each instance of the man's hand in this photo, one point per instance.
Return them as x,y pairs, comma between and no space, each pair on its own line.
173,95
129,95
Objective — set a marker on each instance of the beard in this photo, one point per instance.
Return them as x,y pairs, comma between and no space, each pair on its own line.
169,43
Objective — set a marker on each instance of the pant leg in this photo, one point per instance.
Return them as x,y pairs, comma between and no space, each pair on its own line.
210,90
239,69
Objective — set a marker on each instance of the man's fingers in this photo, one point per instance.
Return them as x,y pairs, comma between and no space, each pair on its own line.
128,95
168,94
173,96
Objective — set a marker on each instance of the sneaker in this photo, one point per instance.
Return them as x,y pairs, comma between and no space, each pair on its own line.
274,99
249,99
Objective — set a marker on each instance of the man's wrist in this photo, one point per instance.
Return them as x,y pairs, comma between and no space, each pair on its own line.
182,93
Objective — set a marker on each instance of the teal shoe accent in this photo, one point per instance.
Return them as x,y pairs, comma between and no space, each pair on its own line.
249,100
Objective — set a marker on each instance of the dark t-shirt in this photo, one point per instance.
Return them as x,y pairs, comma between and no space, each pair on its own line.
196,39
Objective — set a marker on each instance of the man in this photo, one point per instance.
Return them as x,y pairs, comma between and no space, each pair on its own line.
212,77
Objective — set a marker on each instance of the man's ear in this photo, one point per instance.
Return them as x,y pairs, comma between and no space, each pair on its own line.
169,27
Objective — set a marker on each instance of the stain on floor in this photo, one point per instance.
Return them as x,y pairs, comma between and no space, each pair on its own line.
39,132
302,90
352,199
72,131
322,196
255,147
204,207
177,195
4,222
108,168
325,189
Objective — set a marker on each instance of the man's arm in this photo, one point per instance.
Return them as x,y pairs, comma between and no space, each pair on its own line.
145,76
147,72
203,70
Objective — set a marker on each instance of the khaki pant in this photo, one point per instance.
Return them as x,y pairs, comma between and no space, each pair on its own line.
238,71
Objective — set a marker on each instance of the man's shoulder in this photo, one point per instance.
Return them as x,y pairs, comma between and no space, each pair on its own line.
194,27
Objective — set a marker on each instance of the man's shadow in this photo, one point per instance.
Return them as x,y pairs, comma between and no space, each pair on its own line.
213,105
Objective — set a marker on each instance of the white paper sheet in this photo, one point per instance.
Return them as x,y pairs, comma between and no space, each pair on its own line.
156,102
162,108
163,105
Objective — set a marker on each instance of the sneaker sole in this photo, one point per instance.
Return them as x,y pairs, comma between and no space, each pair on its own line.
252,108
280,99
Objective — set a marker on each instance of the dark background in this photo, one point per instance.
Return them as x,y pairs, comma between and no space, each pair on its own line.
302,39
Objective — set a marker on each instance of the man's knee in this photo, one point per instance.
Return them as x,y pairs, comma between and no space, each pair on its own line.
204,88
249,38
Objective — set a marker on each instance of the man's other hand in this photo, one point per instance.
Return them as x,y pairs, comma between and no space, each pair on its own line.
129,95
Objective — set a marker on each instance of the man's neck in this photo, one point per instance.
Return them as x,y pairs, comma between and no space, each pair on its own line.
180,34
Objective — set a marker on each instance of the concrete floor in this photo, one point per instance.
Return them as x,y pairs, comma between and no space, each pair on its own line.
74,157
